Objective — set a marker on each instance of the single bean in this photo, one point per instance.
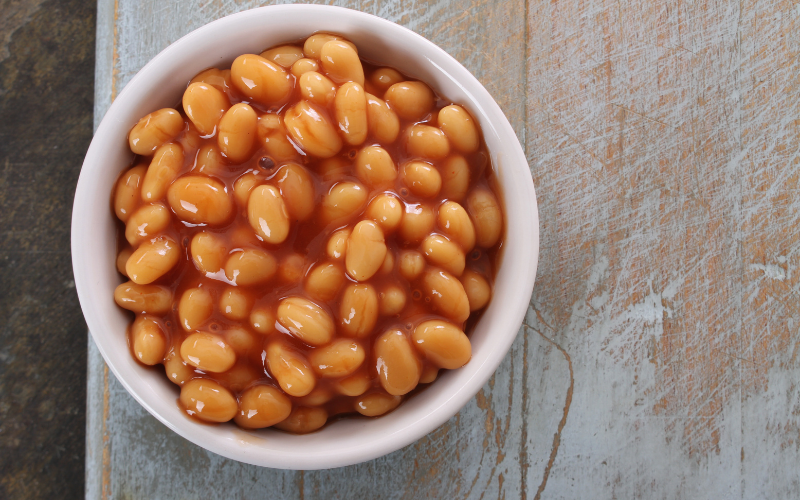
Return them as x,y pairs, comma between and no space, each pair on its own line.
376,403
366,250
208,400
444,253
426,142
200,200
240,377
245,184
122,259
297,190
208,252
350,106
155,129
274,137
250,267
337,244
145,299
388,264
477,288
456,225
417,222
263,81
146,222
163,170
262,406
317,88
339,60
127,195
177,370
317,397
292,268
375,168
303,420
455,178
149,340
262,319
209,161
429,374
341,358
290,368
152,260
219,78
343,201
303,66
324,281
358,310
442,343
204,104
305,320
446,293
412,263
190,140
194,308
422,179
312,129
313,45
354,385
208,352
268,215
242,341
392,300
398,367
242,235
235,303
383,78
410,100
382,121
484,211
285,55
386,210
237,132
460,128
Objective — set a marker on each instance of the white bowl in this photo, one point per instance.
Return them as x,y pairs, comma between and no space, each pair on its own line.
160,84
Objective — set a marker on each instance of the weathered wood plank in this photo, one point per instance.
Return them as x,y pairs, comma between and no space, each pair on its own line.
769,116
483,451
663,139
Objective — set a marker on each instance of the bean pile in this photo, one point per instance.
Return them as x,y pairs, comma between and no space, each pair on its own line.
307,235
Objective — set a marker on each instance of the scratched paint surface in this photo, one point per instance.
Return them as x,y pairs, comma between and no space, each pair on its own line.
659,356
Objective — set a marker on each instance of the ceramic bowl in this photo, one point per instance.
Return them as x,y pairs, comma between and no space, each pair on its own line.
160,84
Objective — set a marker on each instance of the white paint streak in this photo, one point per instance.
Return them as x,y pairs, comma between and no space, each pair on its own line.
771,271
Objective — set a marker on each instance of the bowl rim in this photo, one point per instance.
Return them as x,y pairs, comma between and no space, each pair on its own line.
404,434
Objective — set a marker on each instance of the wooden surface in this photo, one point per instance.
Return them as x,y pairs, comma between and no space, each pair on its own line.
659,357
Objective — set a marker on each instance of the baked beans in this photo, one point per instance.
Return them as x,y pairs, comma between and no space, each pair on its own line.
306,236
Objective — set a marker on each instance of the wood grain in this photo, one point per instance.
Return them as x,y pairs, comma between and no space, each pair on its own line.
663,142
659,355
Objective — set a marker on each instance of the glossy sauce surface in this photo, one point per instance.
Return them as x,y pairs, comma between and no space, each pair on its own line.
319,251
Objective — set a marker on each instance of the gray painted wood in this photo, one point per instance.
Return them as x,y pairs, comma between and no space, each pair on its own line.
659,356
